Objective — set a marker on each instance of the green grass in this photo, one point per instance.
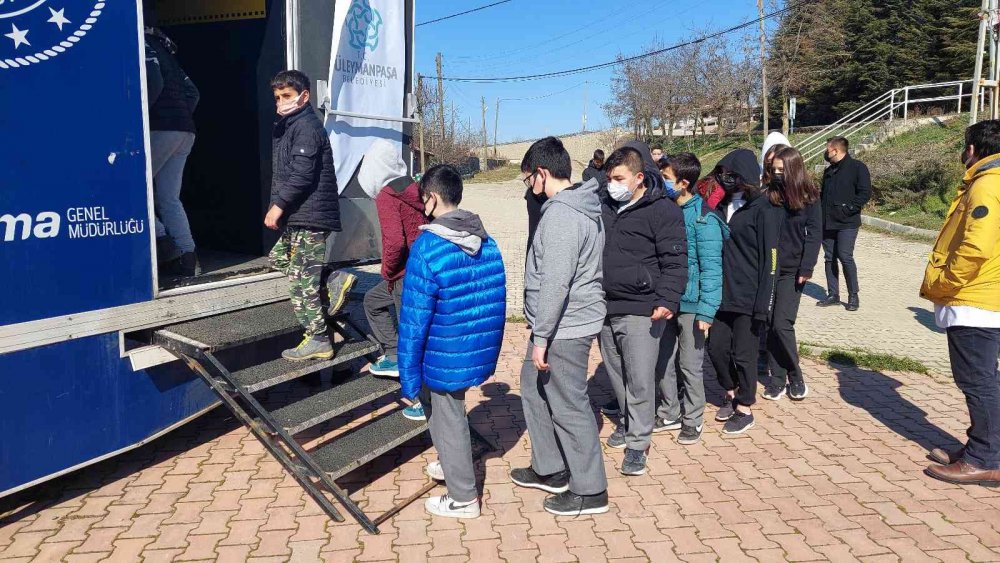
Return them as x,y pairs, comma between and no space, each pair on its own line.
857,357
505,173
517,319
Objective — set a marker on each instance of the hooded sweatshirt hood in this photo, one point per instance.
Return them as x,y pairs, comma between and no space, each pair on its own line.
583,198
461,227
775,138
383,163
743,162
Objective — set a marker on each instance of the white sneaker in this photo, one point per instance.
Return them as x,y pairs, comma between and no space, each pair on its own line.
444,506
434,471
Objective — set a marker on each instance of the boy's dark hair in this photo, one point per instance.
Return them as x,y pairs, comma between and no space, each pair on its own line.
686,166
655,147
599,155
985,137
550,154
627,157
445,181
294,79
840,142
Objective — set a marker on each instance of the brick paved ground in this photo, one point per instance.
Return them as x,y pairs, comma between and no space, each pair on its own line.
837,477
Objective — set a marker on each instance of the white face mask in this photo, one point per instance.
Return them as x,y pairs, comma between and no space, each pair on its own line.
286,108
619,192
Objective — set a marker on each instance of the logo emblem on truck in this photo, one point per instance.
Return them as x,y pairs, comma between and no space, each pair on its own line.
363,25
34,31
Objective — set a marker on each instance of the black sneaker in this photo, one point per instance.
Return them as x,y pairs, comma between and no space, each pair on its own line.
689,435
797,389
829,301
739,423
612,408
853,303
663,424
572,504
617,438
635,462
727,410
555,483
189,265
774,392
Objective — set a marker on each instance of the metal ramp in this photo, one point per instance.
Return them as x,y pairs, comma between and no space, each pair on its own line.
231,353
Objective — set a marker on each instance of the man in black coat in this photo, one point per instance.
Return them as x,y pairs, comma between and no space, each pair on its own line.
645,274
595,169
847,187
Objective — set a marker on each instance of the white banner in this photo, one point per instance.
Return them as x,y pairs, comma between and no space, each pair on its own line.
367,73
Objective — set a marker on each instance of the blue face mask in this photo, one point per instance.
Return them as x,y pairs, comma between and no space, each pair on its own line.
668,187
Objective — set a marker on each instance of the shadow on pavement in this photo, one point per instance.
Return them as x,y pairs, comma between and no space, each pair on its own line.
926,318
880,396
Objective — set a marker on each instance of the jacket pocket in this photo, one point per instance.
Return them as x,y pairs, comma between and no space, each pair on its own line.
631,280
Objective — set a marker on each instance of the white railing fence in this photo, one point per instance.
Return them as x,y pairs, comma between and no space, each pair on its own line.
887,108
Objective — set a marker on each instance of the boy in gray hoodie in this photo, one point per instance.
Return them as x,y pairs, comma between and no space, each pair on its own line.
564,305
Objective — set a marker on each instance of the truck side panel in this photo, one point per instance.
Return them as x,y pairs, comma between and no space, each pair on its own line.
74,218
70,403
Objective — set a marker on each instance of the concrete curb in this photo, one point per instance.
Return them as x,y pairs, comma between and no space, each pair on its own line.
897,228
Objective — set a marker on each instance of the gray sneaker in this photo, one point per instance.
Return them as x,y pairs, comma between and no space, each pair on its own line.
635,462
689,435
617,438
663,424
338,285
727,410
318,348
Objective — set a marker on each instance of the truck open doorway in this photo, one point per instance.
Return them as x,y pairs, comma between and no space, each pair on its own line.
230,49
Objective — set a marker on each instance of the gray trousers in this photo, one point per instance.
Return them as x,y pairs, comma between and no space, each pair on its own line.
449,427
682,354
630,345
382,318
561,424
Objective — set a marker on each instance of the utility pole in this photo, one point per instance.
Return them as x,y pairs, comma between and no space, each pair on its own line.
977,76
420,124
485,138
437,62
763,64
496,125
586,85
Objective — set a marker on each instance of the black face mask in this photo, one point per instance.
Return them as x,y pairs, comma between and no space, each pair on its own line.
826,157
728,182
778,181
964,158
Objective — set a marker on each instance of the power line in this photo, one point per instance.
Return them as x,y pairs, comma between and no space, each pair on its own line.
543,96
624,60
441,19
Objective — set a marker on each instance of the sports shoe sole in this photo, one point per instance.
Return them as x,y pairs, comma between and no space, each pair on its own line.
687,442
616,446
596,510
335,307
775,397
721,419
434,474
675,426
460,515
634,473
384,373
316,356
799,397
740,431
540,486
411,417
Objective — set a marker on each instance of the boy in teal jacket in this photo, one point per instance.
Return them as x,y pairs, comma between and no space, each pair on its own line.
682,348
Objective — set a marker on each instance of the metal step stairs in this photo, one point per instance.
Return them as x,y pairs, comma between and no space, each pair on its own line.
230,352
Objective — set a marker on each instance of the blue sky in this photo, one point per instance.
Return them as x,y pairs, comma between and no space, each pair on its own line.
518,38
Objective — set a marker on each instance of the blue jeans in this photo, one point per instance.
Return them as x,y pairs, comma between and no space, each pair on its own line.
169,151
973,352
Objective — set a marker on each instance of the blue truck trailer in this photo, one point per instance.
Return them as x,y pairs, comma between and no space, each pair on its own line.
99,355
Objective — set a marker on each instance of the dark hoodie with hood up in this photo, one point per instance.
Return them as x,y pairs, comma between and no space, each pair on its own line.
454,308
400,215
645,250
741,162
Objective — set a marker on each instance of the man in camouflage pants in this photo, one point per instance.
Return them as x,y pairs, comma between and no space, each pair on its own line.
305,206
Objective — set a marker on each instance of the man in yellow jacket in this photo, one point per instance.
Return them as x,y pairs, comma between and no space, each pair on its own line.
963,281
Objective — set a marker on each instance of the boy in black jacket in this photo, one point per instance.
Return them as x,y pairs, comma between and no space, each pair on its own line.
645,272
305,202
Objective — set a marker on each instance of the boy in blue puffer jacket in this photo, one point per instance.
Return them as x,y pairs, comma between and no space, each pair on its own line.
683,340
450,330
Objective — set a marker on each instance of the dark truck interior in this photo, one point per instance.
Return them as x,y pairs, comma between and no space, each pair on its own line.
231,49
